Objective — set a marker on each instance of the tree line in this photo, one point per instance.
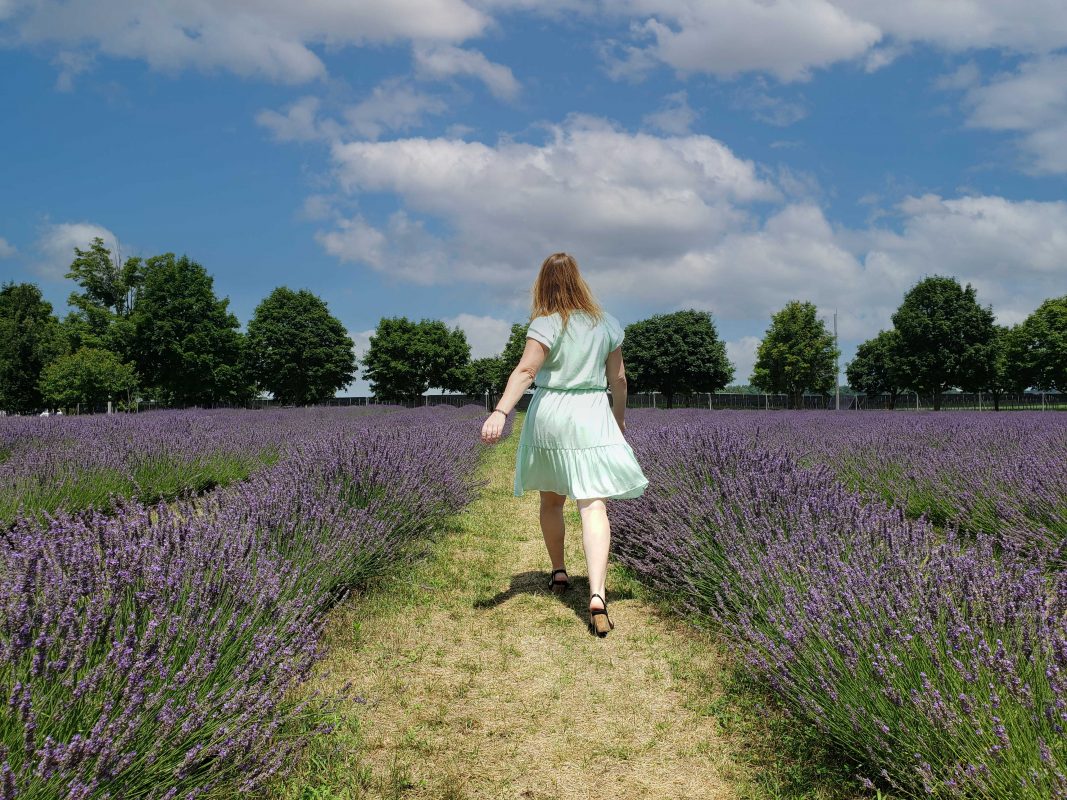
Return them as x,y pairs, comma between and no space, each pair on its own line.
154,330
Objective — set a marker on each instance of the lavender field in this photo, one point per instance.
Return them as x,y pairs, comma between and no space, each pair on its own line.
896,581
150,649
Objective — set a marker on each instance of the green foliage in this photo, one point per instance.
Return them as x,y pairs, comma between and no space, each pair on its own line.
676,353
30,337
482,375
797,353
1040,349
945,337
406,358
87,377
297,350
188,349
876,368
102,308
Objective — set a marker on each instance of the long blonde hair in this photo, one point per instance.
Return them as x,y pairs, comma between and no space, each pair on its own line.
561,289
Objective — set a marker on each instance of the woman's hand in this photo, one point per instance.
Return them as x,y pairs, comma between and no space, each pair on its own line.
493,427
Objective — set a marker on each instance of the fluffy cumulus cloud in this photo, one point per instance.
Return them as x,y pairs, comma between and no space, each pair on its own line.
272,39
487,335
679,221
56,242
436,60
7,250
791,38
1013,252
742,354
1030,101
590,187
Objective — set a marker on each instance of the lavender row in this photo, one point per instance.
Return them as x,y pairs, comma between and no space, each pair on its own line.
71,463
152,652
1000,474
936,662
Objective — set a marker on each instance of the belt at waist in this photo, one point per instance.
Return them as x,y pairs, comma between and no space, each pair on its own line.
572,389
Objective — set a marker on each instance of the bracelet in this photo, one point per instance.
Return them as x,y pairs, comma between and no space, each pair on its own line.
497,409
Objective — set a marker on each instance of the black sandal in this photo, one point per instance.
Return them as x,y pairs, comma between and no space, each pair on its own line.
599,621
558,587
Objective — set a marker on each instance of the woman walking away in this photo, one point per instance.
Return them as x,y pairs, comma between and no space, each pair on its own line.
572,441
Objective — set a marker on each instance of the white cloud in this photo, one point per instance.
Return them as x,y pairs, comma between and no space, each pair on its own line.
393,105
487,335
591,187
728,37
299,123
443,61
272,39
767,107
7,250
56,243
669,219
1013,252
675,117
742,354
1031,101
790,38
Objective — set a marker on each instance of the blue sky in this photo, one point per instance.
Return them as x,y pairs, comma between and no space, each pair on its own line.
422,157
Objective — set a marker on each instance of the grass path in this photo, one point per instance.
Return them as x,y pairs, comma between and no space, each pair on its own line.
475,682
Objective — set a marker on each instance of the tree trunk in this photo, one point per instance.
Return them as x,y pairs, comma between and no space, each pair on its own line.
937,399
670,399
996,401
892,401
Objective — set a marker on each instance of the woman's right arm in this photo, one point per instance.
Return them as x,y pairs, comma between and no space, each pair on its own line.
616,374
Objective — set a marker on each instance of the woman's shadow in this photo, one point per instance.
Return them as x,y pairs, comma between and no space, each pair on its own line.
534,581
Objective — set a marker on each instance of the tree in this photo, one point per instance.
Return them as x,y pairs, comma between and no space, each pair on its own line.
30,337
797,353
297,350
102,308
1040,349
482,375
1002,376
676,353
188,349
406,358
944,337
513,351
88,377
876,367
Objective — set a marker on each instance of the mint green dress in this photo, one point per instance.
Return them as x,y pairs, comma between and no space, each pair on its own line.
570,442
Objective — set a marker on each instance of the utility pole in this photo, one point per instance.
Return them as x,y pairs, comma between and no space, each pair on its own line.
837,369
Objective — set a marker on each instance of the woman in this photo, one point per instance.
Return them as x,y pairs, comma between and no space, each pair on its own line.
572,441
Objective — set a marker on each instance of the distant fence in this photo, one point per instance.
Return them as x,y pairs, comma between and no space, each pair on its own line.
981,401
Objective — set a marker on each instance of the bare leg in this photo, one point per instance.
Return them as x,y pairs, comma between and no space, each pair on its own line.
552,527
596,537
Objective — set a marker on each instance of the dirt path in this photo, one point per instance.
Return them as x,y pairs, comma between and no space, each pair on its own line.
476,682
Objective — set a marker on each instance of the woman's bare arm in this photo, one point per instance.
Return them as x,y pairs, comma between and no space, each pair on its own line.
522,377
616,373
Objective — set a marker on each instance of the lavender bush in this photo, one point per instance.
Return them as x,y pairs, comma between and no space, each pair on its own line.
936,661
151,652
72,463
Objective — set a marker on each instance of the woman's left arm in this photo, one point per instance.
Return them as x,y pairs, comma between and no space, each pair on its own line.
521,378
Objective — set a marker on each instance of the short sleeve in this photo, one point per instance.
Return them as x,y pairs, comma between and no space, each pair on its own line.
543,331
615,333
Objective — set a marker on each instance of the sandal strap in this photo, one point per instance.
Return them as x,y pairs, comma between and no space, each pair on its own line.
595,611
558,570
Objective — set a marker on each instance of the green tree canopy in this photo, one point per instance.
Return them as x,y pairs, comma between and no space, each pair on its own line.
876,367
88,377
944,337
513,350
100,318
30,337
297,350
797,353
676,353
406,358
188,348
1040,349
481,375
